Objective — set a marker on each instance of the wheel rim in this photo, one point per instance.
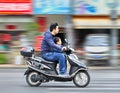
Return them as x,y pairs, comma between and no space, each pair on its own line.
31,78
81,78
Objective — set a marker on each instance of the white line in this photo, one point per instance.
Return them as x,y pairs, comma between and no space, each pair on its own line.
86,89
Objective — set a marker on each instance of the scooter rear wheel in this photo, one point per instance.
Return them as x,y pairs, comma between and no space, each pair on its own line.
31,79
81,79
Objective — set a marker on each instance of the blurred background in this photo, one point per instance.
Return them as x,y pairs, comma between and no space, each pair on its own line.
92,26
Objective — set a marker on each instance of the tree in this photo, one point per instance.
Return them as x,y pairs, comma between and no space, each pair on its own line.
32,31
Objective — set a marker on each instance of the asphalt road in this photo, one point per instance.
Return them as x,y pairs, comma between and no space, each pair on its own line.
102,81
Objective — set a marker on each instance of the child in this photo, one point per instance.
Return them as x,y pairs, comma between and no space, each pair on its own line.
58,41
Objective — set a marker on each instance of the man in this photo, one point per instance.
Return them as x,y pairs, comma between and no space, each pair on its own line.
47,49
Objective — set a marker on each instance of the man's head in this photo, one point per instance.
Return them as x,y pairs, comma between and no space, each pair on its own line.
54,28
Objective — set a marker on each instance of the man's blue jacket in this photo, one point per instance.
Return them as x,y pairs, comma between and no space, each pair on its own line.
48,44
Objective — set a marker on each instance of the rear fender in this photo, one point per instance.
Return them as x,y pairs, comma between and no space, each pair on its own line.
28,71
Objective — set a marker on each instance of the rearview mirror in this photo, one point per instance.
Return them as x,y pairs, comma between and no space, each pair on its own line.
66,40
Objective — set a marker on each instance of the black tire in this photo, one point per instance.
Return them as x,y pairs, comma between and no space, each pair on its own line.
81,77
32,83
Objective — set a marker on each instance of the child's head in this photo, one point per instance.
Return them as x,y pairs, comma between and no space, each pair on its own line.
57,40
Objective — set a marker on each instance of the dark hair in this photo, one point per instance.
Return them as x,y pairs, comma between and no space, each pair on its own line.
53,26
56,39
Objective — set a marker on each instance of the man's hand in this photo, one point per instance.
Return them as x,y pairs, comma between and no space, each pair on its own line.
64,48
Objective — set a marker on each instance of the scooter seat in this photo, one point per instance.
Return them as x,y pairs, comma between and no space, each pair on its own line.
43,60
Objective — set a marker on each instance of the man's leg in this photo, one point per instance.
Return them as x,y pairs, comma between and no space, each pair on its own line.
62,63
54,56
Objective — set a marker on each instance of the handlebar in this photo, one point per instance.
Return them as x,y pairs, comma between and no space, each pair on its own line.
71,50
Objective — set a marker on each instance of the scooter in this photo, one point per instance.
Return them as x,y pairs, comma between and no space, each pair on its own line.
40,70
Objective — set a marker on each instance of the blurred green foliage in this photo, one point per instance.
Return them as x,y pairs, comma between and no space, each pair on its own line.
32,30
3,59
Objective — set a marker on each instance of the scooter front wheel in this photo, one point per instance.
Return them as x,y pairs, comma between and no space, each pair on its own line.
81,79
31,79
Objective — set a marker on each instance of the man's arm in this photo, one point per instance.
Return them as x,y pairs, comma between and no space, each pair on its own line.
50,41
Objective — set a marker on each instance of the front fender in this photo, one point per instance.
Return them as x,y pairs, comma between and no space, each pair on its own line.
74,70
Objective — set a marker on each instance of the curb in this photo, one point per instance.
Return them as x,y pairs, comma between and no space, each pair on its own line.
105,68
13,66
19,66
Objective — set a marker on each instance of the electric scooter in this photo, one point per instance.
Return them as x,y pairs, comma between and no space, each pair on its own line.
40,70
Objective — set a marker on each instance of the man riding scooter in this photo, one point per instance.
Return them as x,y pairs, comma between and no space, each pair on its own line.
42,68
47,49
